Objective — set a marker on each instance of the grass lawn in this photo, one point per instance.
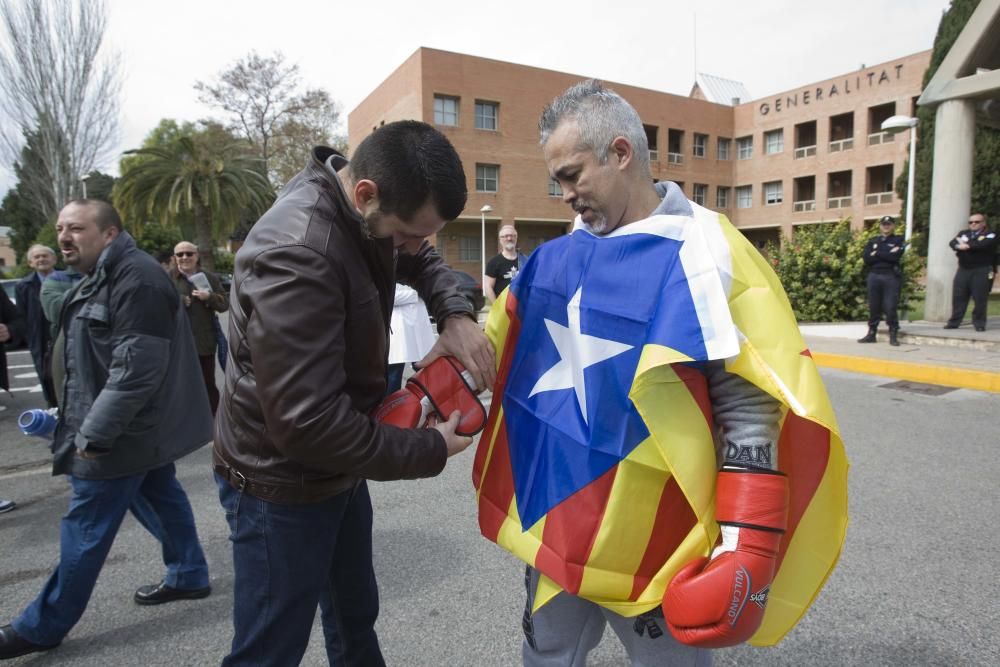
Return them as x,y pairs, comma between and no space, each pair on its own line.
916,311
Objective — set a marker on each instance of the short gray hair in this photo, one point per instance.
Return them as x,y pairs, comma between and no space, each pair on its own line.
601,115
39,246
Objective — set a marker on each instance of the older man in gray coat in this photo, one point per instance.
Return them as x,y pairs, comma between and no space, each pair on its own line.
132,404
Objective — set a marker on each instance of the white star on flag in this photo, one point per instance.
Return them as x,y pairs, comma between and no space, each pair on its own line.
577,351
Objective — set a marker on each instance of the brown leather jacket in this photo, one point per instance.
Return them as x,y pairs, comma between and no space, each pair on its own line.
308,334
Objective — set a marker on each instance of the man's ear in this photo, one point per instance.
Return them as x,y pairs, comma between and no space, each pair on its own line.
365,194
621,149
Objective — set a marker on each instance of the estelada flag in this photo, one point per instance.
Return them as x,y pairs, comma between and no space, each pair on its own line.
598,462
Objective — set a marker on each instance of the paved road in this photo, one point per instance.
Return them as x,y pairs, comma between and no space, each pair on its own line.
918,582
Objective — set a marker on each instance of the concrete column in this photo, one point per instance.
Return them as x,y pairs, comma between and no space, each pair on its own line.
951,194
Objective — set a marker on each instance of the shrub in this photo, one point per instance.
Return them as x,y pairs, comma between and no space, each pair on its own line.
822,270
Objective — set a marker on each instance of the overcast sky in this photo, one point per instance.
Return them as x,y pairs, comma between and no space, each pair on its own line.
349,47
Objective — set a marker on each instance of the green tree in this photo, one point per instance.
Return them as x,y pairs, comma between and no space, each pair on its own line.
986,162
192,176
264,105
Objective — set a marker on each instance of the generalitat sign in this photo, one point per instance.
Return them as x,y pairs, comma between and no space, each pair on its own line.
846,86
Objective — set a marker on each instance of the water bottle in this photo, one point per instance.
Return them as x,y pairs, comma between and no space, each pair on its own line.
37,422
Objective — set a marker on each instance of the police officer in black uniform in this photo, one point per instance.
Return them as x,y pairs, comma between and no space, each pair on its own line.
976,249
883,254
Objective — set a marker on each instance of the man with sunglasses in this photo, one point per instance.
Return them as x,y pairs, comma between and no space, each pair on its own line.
201,305
976,249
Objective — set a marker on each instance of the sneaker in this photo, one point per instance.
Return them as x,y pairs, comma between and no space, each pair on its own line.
7,505
950,326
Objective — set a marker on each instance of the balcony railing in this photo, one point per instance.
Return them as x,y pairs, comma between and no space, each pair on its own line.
804,206
842,145
675,158
880,138
838,202
654,155
877,198
805,151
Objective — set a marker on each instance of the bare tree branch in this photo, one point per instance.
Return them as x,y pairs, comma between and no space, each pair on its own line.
59,86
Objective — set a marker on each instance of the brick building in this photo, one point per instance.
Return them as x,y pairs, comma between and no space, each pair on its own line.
809,155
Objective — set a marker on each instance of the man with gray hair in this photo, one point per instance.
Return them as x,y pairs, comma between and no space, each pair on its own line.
43,260
640,275
503,268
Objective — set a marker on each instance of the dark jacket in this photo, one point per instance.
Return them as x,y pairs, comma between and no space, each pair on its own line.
133,388
202,313
36,326
308,333
15,324
982,248
882,254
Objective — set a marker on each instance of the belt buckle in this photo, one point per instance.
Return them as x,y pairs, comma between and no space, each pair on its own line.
242,480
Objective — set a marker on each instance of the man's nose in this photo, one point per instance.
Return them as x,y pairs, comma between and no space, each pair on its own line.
569,196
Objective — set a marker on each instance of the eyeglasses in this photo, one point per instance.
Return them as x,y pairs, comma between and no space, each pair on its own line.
976,222
185,254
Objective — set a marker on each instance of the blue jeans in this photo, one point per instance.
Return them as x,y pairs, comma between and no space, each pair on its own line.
96,510
287,559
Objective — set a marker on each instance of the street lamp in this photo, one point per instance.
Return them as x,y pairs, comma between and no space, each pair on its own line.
896,124
482,212
83,181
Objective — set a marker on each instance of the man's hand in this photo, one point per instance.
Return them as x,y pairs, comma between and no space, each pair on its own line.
456,443
462,338
203,295
4,333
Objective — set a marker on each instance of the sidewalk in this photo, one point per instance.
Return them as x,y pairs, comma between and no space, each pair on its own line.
928,353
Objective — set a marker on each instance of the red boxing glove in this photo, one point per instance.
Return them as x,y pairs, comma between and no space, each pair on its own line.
719,602
440,388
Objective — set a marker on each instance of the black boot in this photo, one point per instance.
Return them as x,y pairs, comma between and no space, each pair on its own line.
893,337
870,338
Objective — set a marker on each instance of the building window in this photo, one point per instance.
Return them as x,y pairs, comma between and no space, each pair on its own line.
555,190
774,141
723,148
469,249
487,177
744,148
445,110
722,197
487,114
772,193
744,196
700,146
700,194
651,132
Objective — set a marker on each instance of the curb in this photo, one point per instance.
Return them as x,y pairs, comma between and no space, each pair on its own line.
947,376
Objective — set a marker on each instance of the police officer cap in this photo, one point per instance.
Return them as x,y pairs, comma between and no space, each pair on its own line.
886,220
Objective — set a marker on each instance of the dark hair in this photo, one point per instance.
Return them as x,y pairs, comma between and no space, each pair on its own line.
105,214
411,162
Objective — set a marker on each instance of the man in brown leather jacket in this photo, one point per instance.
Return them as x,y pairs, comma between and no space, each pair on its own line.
311,302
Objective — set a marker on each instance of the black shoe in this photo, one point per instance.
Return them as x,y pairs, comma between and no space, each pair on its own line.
13,644
893,339
160,593
950,326
870,338
979,328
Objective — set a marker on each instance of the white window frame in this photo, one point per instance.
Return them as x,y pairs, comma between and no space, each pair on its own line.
773,193
744,196
441,114
699,148
470,249
722,197
699,194
483,180
723,148
774,142
744,147
483,119
555,190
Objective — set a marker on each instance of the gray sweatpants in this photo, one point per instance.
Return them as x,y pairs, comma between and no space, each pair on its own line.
567,628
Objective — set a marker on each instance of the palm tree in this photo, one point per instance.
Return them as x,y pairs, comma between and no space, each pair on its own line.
214,185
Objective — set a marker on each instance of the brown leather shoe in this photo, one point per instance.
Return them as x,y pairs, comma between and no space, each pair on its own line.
161,593
12,644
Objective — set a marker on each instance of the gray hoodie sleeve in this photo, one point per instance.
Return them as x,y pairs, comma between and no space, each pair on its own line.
746,418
